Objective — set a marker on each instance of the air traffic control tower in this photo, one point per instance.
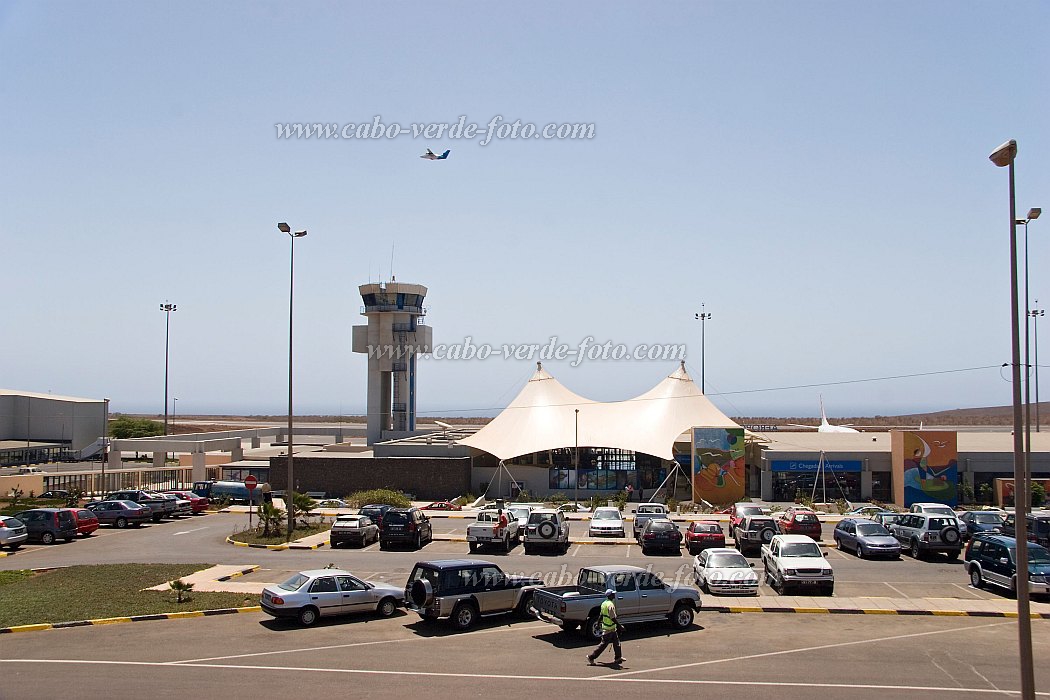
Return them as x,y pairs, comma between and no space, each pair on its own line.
394,336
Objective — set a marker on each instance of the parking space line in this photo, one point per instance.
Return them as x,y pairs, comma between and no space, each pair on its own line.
836,645
969,590
898,591
577,550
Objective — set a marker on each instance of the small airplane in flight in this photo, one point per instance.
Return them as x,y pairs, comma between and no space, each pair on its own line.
430,155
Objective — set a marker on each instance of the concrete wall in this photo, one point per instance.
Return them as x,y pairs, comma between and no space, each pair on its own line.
428,479
51,420
27,482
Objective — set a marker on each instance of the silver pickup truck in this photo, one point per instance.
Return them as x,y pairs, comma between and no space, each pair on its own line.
641,596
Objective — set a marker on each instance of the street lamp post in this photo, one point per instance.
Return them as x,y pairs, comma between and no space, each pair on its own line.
284,228
167,309
174,406
576,465
703,318
1035,314
1004,156
1032,214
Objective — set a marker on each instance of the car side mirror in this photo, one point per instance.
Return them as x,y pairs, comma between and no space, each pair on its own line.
1004,560
825,554
751,564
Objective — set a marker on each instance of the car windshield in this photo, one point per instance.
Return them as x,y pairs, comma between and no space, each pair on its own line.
661,525
987,518
942,510
294,583
606,515
728,560
870,529
352,521
520,513
757,524
801,549
939,523
749,510
1038,555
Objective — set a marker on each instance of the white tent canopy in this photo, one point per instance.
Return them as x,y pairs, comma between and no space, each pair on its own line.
543,417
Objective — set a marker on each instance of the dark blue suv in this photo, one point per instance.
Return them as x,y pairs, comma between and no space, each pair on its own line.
993,559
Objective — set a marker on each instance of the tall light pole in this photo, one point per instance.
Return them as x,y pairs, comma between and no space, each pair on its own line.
1032,214
167,309
576,465
1004,156
1035,314
703,319
284,228
174,405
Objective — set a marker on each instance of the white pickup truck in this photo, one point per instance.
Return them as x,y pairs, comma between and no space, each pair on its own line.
797,561
494,527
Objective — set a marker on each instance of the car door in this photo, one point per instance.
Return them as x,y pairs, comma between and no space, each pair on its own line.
701,567
494,593
1000,569
848,535
326,596
357,597
426,529
653,596
626,587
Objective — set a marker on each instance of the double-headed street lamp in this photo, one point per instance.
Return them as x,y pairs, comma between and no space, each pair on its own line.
1004,156
284,228
167,309
703,318
1032,214
1035,314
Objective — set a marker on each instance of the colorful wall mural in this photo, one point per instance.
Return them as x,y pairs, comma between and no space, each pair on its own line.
925,467
718,465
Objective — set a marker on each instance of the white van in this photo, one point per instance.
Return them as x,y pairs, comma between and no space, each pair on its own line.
30,470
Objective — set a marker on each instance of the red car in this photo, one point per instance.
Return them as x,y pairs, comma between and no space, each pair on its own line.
198,503
799,521
87,522
700,535
442,505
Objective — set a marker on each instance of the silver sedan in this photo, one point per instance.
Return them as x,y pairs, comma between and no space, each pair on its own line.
724,571
12,533
309,595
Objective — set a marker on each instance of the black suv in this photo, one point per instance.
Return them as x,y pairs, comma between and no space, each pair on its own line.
405,526
992,559
1038,527
375,512
49,524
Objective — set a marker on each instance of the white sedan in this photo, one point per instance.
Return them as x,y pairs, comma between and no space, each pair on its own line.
724,571
606,521
309,595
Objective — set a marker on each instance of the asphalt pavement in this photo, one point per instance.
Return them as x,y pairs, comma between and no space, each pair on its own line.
783,656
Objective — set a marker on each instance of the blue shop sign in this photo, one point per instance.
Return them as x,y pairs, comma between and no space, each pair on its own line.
840,465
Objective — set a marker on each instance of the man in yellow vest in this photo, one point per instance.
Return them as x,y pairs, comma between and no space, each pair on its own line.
610,630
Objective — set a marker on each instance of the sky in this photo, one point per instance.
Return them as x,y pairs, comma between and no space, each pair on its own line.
815,174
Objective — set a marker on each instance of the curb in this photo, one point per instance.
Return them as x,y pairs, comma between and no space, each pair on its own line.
867,611
275,547
132,618
242,572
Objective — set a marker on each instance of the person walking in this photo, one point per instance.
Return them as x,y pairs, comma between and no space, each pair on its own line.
630,492
610,630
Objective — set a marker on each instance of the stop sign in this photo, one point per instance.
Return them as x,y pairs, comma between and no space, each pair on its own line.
250,482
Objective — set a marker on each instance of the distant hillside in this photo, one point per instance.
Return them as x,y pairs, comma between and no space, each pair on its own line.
993,415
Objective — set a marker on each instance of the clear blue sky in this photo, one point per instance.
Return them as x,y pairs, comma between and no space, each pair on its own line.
816,173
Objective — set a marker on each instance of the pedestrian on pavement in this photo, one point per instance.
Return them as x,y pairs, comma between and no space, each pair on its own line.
630,491
610,630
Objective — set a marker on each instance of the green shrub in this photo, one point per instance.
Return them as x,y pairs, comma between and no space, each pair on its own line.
557,498
1038,494
124,427
388,497
984,493
842,506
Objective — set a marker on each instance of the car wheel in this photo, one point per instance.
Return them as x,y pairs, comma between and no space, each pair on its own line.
859,551
506,545
593,628
419,542
464,616
916,551
975,577
570,626
682,616
953,555
528,549
829,590
387,606
47,538
474,547
524,605
382,544
308,615
704,587
121,523
565,548
155,518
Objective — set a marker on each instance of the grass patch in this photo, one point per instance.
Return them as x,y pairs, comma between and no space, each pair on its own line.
104,590
28,503
255,536
7,577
